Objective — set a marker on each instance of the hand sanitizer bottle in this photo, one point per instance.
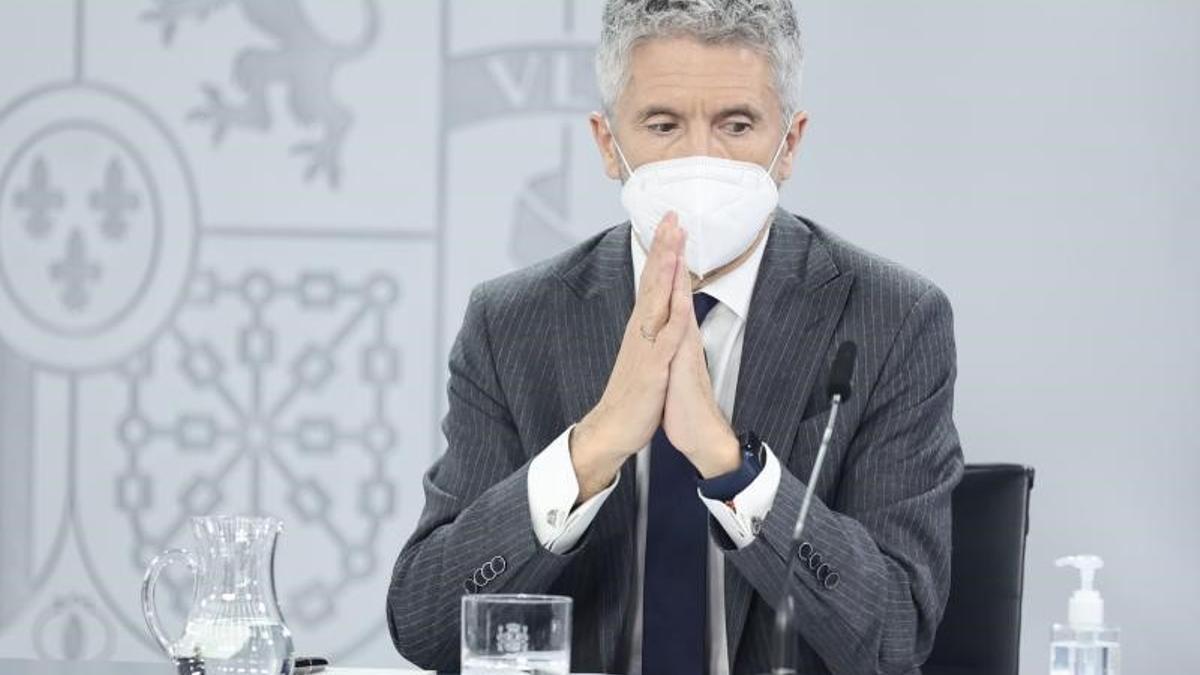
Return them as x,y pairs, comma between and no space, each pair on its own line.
1084,646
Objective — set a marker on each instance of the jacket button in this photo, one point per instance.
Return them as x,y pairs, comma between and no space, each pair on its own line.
823,572
832,580
815,561
806,551
499,564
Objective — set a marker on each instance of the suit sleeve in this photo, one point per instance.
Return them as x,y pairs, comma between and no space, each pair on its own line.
874,573
475,533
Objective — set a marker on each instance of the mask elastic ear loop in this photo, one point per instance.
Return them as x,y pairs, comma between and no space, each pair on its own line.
627,169
782,142
617,145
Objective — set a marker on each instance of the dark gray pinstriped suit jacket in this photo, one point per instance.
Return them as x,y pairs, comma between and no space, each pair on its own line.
533,355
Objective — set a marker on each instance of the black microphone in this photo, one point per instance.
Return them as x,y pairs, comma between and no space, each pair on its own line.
840,374
842,371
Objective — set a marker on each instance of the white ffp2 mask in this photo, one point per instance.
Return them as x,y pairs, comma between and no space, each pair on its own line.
722,204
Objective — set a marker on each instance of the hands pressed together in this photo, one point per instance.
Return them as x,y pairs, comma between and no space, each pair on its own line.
659,379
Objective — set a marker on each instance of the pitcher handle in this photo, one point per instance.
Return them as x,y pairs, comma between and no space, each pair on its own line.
149,583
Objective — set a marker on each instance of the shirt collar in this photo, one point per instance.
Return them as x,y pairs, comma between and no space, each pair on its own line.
733,290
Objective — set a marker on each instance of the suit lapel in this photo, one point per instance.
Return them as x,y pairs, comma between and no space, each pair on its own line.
590,320
798,298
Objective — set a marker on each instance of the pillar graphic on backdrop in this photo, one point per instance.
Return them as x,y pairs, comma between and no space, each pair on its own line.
542,211
516,92
18,582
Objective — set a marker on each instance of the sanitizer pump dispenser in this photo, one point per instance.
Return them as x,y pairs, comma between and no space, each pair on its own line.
1084,646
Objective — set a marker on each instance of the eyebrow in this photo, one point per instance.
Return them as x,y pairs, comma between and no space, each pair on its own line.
745,110
650,111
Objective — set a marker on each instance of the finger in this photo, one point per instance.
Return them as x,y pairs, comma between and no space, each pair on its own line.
682,287
657,277
652,273
663,231
681,312
654,309
683,366
680,238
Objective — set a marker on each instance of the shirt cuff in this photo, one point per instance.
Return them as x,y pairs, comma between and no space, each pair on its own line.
553,488
742,516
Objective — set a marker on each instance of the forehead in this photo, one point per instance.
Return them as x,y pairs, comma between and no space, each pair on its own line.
685,72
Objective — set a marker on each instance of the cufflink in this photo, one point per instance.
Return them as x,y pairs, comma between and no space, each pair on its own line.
553,517
756,525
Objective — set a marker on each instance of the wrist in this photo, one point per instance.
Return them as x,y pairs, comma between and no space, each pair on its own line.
723,457
594,468
725,487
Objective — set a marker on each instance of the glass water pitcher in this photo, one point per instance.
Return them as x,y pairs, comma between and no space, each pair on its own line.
234,626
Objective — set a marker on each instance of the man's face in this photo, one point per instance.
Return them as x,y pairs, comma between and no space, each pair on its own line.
688,98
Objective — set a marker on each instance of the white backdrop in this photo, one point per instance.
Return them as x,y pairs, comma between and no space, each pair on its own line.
235,246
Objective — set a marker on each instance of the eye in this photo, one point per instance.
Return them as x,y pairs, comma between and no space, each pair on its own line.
737,128
662,128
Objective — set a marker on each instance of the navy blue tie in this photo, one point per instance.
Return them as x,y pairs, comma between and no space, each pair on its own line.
675,591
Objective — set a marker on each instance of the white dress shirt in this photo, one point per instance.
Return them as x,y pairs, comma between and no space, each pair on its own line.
553,486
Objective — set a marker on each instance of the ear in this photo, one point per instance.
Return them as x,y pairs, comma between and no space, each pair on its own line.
791,145
603,136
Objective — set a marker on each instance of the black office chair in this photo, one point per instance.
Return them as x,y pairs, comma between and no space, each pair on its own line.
980,633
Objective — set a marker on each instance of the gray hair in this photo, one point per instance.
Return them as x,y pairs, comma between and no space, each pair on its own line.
768,26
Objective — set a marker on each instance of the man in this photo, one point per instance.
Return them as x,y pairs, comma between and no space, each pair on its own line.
632,423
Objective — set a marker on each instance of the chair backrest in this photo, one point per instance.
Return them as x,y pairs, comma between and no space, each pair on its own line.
980,633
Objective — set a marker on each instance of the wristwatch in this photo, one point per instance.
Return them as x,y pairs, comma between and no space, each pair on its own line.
728,485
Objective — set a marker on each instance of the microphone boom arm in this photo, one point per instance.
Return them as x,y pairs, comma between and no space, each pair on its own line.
785,614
